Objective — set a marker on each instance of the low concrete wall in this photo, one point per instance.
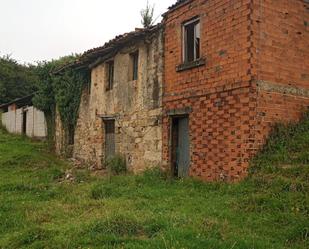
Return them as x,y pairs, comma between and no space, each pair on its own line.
35,123
9,121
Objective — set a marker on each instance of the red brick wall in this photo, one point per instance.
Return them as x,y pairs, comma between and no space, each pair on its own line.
275,107
224,44
223,107
220,133
281,39
256,75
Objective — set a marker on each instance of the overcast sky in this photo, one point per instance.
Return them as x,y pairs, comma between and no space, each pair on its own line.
36,30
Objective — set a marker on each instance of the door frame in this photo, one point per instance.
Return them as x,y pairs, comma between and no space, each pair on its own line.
24,122
172,118
105,120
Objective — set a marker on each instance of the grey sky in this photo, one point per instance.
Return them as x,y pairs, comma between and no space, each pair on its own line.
36,30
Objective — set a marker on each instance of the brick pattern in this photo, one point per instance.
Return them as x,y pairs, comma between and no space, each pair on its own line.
281,41
223,106
275,108
220,133
243,43
225,41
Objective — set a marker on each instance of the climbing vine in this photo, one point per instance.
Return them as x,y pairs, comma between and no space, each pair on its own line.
61,92
68,90
45,99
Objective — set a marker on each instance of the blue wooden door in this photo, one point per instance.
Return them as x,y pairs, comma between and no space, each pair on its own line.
183,148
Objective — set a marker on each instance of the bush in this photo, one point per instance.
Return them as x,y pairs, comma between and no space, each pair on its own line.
152,176
104,191
117,165
287,144
117,225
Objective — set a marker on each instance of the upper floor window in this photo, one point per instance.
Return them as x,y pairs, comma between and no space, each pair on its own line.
110,75
191,40
134,65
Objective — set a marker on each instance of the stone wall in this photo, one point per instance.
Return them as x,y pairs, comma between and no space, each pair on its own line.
88,140
135,105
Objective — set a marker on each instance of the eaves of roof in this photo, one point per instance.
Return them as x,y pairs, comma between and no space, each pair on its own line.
92,55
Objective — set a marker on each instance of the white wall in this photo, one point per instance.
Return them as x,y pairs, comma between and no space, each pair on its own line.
19,121
36,123
9,121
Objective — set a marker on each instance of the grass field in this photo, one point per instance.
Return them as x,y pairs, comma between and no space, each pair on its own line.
270,209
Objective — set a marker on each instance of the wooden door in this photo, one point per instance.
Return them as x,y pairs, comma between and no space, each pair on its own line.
180,147
183,160
109,138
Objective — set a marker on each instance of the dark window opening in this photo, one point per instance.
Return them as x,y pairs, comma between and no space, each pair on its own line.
110,75
134,61
24,124
192,36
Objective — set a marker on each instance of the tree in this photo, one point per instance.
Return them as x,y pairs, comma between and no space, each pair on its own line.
148,16
61,91
16,80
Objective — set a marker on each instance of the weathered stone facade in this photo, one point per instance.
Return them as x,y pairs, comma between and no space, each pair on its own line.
135,105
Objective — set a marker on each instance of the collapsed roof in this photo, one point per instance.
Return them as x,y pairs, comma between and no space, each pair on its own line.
176,5
94,56
20,102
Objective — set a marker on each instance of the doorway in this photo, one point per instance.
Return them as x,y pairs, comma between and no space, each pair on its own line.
109,126
180,141
24,123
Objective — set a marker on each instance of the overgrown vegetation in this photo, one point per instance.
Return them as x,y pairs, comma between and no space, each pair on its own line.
147,15
40,209
287,146
61,91
16,80
117,165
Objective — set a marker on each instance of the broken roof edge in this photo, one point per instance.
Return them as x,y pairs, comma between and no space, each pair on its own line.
175,6
91,55
25,98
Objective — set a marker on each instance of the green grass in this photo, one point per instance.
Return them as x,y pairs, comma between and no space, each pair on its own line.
270,209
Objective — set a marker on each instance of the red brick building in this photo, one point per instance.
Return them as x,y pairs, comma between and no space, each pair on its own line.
233,68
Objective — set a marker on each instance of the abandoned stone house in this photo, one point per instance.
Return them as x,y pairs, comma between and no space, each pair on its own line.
199,93
20,117
232,70
120,110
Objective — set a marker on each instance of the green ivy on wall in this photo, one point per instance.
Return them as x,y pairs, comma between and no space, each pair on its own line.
62,91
